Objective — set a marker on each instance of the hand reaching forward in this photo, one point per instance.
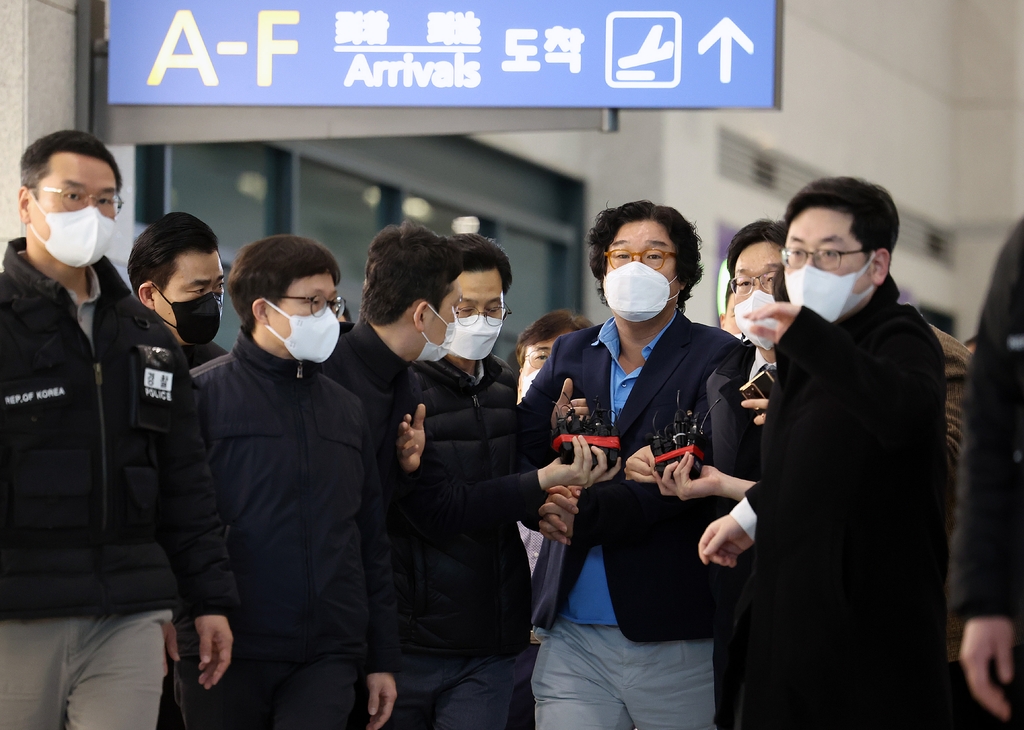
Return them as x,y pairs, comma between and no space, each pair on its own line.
581,472
640,467
711,483
772,320
412,439
723,541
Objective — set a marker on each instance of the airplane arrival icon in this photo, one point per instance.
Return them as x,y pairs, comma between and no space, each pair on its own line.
627,70
652,51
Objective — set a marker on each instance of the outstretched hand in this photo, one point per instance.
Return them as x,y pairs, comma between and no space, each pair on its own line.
723,541
772,320
640,467
582,472
412,439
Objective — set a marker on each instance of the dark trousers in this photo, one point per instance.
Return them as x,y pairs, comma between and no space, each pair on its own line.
170,713
260,695
453,693
969,715
522,710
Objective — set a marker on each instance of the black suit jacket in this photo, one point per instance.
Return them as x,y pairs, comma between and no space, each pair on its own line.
658,586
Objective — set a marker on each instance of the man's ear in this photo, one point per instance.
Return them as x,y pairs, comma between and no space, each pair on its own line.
147,294
259,311
880,266
24,201
420,310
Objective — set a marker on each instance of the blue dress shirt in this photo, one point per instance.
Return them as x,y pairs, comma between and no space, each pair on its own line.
589,601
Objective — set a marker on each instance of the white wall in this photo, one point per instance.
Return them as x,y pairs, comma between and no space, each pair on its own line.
37,87
921,96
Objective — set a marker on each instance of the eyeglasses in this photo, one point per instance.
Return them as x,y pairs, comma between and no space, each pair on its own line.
494,316
75,199
826,259
318,304
538,357
744,285
652,257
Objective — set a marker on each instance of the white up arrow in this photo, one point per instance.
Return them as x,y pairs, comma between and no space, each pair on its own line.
727,32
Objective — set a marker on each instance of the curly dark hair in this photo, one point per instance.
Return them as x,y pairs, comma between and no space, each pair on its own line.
681,232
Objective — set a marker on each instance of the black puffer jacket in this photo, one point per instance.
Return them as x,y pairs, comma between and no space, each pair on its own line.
297,485
988,545
465,594
105,494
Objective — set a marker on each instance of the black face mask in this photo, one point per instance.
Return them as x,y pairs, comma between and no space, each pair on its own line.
198,319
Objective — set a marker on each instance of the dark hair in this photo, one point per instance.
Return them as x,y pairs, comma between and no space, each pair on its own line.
876,222
680,231
404,264
266,268
35,162
483,254
552,324
760,231
155,253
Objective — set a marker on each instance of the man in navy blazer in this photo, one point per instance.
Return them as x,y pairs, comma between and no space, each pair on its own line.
623,603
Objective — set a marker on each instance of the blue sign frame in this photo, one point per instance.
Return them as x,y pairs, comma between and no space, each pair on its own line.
676,54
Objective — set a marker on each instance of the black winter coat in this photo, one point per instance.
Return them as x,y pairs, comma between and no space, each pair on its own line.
297,486
736,443
464,594
106,501
988,545
848,617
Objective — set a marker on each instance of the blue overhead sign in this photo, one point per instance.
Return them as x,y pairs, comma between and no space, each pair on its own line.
675,54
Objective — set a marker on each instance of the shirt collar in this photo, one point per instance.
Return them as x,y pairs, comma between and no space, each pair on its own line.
609,337
94,288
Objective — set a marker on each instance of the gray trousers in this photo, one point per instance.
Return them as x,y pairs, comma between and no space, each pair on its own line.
591,677
86,673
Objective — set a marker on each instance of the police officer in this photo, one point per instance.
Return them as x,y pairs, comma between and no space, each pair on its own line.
97,430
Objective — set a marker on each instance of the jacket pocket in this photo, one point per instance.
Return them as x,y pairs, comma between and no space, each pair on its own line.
51,489
143,491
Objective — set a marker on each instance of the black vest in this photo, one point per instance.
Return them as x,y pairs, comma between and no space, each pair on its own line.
78,460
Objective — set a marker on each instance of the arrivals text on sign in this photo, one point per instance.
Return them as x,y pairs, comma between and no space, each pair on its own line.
599,53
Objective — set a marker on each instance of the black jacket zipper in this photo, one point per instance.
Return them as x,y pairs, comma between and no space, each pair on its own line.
104,494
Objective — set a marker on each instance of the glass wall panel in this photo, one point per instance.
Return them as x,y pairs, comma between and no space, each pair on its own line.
340,211
531,293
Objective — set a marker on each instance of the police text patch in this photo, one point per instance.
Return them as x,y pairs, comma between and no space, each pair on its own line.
43,391
157,384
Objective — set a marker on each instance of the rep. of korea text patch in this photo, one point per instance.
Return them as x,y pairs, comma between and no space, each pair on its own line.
35,392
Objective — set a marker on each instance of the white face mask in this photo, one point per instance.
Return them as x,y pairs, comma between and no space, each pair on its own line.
526,381
743,310
78,238
830,295
636,292
432,352
312,338
475,341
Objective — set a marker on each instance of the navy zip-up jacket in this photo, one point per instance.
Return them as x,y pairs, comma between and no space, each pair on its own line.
297,486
